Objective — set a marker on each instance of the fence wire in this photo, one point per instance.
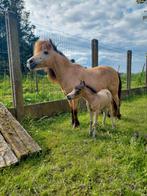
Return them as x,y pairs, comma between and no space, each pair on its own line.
5,84
37,87
119,58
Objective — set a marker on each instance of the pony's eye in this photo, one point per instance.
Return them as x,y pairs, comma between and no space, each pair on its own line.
46,52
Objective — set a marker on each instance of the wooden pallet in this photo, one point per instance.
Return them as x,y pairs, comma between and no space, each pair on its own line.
15,142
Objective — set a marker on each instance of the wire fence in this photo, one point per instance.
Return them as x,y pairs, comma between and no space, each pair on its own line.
116,55
5,84
37,87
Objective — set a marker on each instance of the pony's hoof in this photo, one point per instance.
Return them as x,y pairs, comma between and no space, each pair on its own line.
76,124
119,116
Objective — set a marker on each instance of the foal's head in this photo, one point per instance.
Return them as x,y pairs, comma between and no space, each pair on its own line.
77,91
43,56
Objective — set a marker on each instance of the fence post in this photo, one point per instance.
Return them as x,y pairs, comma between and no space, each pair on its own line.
129,64
14,63
146,70
94,46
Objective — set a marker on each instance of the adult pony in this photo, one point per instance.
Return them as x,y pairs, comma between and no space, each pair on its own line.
61,70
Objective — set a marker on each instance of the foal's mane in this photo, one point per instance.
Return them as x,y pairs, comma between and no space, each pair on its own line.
91,88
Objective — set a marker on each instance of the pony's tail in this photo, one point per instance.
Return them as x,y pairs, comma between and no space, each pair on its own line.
119,96
119,88
115,108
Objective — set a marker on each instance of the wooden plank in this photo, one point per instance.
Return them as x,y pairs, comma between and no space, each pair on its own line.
14,62
17,137
7,157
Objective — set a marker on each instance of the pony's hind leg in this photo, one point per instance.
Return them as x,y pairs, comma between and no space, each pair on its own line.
116,106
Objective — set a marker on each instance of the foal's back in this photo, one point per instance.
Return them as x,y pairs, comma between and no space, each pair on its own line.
104,97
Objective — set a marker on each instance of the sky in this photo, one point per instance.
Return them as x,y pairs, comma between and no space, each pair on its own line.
118,26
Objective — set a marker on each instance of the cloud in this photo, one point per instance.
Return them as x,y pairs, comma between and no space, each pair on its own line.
118,26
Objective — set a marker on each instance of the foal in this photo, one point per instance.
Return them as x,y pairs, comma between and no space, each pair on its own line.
96,103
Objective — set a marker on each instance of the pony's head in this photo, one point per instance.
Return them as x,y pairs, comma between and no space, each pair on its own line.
43,55
77,91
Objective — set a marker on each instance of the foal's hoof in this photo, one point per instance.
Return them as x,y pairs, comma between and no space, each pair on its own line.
90,133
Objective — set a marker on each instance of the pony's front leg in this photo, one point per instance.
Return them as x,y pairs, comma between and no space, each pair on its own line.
95,124
73,105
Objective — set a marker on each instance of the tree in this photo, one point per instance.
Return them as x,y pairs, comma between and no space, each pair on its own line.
140,1
25,28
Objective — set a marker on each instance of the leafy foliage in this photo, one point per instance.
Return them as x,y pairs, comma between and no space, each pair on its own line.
25,29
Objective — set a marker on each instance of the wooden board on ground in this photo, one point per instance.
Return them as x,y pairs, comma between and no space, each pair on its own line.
15,142
7,157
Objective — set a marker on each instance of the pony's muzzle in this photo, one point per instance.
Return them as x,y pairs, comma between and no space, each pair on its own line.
31,63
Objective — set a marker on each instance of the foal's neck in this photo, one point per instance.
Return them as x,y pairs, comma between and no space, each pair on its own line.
91,97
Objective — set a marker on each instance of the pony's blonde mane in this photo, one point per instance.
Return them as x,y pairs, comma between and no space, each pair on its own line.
39,45
48,44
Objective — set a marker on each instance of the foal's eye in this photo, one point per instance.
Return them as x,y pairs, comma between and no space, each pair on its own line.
46,52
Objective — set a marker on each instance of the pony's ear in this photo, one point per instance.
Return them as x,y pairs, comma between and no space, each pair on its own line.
46,45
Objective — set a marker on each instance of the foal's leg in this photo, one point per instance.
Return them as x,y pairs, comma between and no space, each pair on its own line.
73,104
91,122
104,117
95,124
112,116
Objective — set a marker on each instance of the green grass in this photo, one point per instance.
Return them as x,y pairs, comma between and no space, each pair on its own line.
48,91
72,163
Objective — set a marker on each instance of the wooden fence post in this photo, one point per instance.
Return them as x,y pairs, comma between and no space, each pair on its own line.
14,63
129,64
146,71
94,46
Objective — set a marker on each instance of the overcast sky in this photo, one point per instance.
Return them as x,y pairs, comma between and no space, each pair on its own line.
118,25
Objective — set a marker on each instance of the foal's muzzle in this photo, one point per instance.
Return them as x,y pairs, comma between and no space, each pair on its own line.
69,97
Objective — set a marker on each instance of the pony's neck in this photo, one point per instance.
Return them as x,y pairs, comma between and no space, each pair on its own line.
60,67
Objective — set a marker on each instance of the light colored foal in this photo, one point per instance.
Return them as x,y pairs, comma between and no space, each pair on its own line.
96,103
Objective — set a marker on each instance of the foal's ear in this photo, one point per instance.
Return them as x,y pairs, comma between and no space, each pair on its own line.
83,82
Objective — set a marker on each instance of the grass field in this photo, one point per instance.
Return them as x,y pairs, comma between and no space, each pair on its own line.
48,91
72,163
